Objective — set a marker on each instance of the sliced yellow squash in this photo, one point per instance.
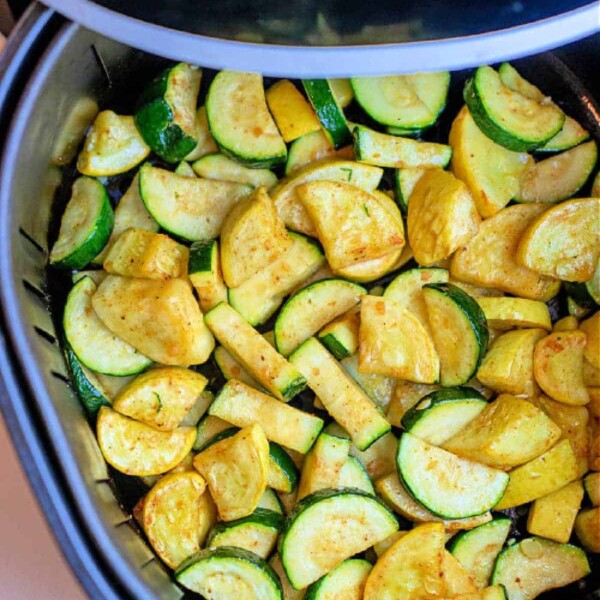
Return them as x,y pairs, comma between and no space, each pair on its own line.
505,313
456,578
591,328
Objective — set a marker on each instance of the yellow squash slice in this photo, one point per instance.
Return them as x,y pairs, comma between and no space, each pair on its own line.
488,259
352,224
161,319
591,328
542,476
171,519
456,579
393,342
508,365
137,449
412,568
441,216
506,313
490,171
161,397
564,241
236,471
558,366
508,432
587,528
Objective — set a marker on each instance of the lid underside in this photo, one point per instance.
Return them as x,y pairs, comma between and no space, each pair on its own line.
338,37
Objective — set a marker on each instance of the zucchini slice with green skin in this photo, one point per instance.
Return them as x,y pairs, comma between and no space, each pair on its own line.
328,110
405,101
166,116
342,397
477,549
221,574
354,475
378,387
259,297
256,533
311,308
558,177
347,581
448,486
204,271
270,501
384,150
340,336
313,147
90,391
231,368
240,121
191,209
328,527
95,346
405,132
572,134
255,354
509,118
208,427
85,226
441,414
405,181
241,405
459,330
223,168
535,565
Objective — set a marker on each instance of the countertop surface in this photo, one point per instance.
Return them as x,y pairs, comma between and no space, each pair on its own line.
31,564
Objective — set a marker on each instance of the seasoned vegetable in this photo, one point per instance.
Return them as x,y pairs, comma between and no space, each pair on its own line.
204,270
223,168
346,581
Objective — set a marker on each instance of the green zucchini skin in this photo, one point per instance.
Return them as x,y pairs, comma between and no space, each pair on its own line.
155,120
261,516
90,396
203,257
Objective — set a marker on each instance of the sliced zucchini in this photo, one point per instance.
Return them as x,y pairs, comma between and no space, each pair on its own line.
289,593
240,121
166,116
96,275
586,294
223,168
575,223
206,143
256,533
405,132
457,322
572,134
440,415
89,389
478,548
171,519
192,209
328,527
253,237
85,226
323,464
204,271
95,346
242,405
405,181
142,253
511,78
261,295
255,354
308,310
292,211
342,90
558,177
231,368
134,448
311,148
185,169
534,565
407,290
543,475
345,582
130,308
354,475
340,336
270,501
591,483
406,101
490,171
198,409
161,397
394,343
384,150
207,430
507,117
449,486
222,573
412,568
112,145
342,398
236,470
328,111
371,270
503,313
292,113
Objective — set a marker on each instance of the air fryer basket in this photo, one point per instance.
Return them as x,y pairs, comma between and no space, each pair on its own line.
97,535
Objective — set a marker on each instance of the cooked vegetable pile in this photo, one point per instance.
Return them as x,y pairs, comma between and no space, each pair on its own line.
397,386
